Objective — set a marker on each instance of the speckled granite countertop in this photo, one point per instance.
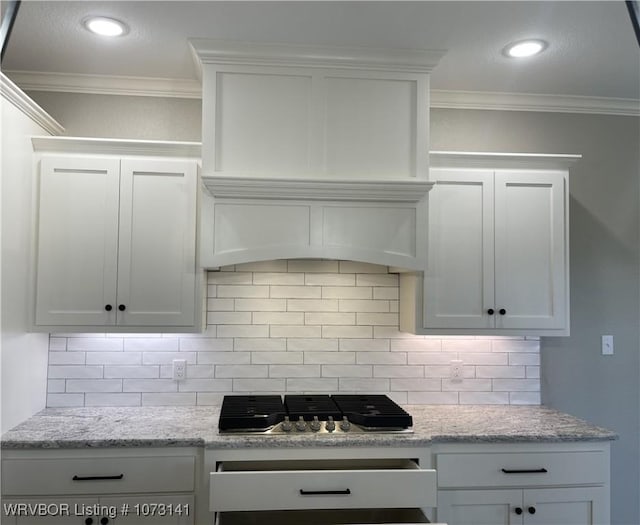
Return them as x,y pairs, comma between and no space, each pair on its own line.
197,426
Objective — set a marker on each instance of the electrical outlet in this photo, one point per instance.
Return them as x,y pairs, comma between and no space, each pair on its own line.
607,345
455,371
179,369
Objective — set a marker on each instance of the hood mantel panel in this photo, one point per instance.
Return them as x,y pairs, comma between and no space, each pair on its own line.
248,220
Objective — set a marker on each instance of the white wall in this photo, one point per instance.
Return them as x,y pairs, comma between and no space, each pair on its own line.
23,355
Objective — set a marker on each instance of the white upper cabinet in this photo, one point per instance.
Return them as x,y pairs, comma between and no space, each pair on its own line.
498,260
318,112
116,241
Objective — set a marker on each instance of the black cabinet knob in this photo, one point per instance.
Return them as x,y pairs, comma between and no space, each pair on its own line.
502,311
518,510
88,521
122,308
532,510
104,521
491,311
108,307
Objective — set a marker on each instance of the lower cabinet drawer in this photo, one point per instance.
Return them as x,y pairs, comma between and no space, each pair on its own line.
401,486
521,469
100,475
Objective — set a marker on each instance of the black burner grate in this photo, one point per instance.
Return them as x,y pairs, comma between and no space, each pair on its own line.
373,411
321,406
250,412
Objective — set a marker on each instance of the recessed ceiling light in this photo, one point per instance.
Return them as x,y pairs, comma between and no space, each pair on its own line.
525,48
103,26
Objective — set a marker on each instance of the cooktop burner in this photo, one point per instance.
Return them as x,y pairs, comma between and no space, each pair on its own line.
337,414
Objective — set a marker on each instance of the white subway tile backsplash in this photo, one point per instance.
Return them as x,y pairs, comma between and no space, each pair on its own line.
286,371
304,332
169,399
112,400
65,400
271,318
329,318
286,279
347,292
347,332
260,305
112,358
205,385
94,385
297,326
277,358
484,398
131,371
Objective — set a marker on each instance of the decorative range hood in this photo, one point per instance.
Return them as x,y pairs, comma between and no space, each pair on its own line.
314,153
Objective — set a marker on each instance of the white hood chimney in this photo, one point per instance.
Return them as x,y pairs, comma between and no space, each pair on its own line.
314,152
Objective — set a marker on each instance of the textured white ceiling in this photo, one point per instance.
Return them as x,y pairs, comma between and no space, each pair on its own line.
593,51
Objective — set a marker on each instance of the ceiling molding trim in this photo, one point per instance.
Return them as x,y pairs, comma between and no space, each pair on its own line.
13,94
107,85
211,51
475,159
487,100
156,148
441,99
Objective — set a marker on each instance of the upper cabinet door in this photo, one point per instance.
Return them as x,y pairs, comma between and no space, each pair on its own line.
77,241
530,249
459,281
157,245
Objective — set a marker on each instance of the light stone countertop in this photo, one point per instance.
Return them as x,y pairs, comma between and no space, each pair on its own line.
197,426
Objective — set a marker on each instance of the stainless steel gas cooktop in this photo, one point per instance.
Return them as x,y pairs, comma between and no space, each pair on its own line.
335,414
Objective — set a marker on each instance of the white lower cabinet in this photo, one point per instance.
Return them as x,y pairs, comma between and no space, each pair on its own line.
562,506
89,487
554,484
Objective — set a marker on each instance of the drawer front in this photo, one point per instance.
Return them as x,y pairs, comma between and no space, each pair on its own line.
114,475
521,470
322,489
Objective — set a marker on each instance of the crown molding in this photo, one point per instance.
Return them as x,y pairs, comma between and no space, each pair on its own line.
20,100
211,51
314,189
441,99
488,100
107,85
474,159
157,148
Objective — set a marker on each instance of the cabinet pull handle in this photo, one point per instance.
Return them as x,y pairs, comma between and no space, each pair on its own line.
108,307
518,510
502,311
532,510
491,311
122,307
324,492
96,478
525,471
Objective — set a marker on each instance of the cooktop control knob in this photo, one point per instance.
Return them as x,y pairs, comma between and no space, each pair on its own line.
330,425
287,425
315,424
344,424
301,425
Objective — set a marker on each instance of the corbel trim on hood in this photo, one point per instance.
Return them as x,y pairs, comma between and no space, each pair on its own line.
335,190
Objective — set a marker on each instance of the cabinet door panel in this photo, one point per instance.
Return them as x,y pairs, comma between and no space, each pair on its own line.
584,506
77,241
459,285
480,507
530,249
156,262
